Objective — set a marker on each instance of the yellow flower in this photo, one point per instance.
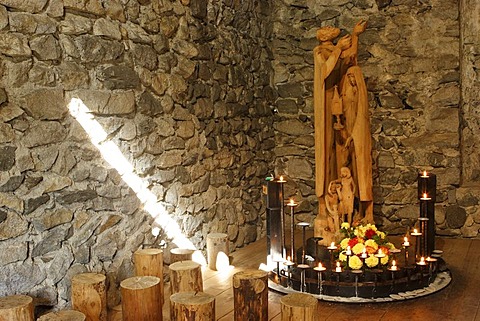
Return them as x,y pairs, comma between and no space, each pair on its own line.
384,260
390,246
372,244
345,225
355,263
344,243
358,248
371,261
342,257
381,235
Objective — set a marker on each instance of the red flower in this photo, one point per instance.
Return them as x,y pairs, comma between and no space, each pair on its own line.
352,242
369,234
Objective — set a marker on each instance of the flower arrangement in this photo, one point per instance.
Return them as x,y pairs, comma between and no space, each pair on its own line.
362,243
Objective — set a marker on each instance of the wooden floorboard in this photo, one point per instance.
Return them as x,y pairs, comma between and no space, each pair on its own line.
459,301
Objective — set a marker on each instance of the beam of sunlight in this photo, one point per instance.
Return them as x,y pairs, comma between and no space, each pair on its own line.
112,154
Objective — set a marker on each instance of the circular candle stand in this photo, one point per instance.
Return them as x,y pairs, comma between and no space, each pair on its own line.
385,283
414,270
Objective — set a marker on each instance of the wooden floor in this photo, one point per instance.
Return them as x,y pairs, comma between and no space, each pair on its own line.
459,301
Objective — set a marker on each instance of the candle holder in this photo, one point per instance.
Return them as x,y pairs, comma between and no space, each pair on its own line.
406,245
282,182
394,253
338,270
330,249
421,264
289,265
432,266
393,269
363,257
316,239
416,234
303,268
303,225
427,191
320,269
423,238
380,255
292,205
356,273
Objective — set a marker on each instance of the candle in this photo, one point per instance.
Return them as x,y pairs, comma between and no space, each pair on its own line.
415,232
425,197
406,243
424,175
364,253
292,203
394,266
422,261
348,252
332,246
281,180
380,253
320,267
338,268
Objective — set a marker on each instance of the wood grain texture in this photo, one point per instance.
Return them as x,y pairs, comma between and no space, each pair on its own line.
250,295
149,262
16,307
140,299
186,276
89,295
192,306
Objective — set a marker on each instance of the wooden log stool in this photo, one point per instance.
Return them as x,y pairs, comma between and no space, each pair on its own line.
186,276
192,306
216,243
16,307
149,262
140,299
115,313
250,295
63,315
179,254
298,306
89,296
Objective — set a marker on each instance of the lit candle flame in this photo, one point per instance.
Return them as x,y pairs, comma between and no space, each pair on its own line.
425,174
425,195
320,266
338,268
333,244
380,252
415,230
364,253
394,266
422,260
281,180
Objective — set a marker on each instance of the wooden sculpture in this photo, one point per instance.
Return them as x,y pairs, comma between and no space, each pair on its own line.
342,129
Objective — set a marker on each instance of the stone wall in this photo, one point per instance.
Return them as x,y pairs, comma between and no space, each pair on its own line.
181,88
424,106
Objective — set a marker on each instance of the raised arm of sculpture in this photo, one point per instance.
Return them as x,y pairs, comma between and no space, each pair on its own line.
350,55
